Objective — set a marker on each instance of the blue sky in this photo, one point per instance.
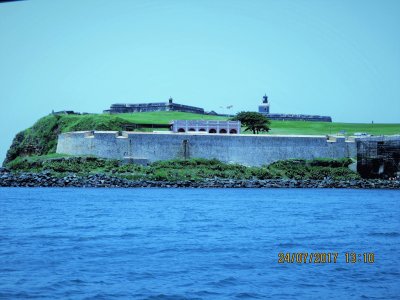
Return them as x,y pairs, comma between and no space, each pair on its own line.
339,58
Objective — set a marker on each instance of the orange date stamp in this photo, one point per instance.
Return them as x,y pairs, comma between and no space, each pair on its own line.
325,257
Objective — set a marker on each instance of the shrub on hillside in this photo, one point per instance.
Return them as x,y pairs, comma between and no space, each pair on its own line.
193,169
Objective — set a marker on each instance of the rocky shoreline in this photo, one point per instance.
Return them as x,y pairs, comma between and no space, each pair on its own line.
46,179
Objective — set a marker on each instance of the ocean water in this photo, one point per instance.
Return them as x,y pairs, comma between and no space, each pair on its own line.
197,243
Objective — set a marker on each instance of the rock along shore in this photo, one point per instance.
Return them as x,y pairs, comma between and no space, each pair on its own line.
45,179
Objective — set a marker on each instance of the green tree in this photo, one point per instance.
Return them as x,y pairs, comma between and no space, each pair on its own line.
253,121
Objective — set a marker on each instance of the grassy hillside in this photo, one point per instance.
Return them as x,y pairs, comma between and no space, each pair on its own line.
277,127
164,117
323,128
41,138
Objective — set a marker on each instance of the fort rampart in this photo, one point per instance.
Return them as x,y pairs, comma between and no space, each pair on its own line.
150,107
297,117
251,150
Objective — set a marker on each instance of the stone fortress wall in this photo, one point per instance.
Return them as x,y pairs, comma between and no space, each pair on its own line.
149,107
250,150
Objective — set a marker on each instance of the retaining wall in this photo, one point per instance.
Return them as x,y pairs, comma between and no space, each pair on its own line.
251,150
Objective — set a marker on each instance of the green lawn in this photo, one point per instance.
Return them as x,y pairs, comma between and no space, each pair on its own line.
323,128
277,127
114,121
76,122
164,117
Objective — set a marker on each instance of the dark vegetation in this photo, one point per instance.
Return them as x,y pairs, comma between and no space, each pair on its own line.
253,121
192,169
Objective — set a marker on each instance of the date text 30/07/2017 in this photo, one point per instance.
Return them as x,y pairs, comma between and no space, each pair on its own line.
324,257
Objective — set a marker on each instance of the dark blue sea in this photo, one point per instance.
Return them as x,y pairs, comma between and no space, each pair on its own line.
197,243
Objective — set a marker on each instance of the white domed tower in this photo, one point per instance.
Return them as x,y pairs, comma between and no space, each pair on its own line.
264,107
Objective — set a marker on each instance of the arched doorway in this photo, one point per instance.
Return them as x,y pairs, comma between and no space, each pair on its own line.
232,131
181,130
202,129
192,129
212,130
222,131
